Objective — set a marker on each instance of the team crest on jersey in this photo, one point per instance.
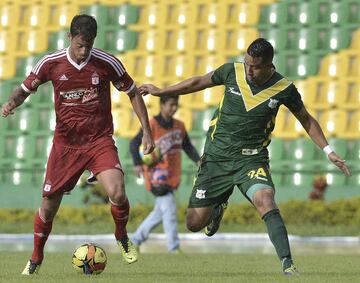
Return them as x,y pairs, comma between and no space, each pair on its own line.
47,188
273,103
95,79
200,194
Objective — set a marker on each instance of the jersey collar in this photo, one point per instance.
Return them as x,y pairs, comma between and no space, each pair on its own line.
76,65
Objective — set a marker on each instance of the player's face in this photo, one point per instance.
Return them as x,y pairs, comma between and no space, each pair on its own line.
169,108
257,71
80,48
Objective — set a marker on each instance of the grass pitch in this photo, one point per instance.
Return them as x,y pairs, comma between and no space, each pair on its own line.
187,268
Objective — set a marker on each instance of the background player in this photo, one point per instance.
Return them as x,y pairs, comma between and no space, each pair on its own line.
81,77
163,177
235,150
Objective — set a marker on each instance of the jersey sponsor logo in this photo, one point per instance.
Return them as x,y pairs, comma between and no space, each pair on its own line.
273,103
84,94
258,174
63,78
233,91
47,188
200,194
95,79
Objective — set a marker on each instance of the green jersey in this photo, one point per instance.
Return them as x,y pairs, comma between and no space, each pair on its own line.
243,123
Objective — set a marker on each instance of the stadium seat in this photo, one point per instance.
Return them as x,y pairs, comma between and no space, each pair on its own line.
99,12
276,155
236,40
297,179
352,128
334,122
33,16
212,96
9,15
300,154
43,98
123,15
7,67
297,65
58,40
351,95
118,41
353,157
186,116
336,178
18,174
61,15
274,15
241,13
333,39
151,15
8,40
307,89
201,120
25,65
287,126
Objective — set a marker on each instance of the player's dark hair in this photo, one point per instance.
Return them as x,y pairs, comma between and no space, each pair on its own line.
85,26
165,98
261,48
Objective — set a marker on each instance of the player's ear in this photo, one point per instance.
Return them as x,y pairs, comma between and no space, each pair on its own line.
69,36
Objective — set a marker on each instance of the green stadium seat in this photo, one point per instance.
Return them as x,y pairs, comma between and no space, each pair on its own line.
274,15
25,65
18,174
24,120
353,156
99,12
301,13
333,39
336,178
354,180
58,40
118,41
44,97
298,179
276,155
300,155
201,120
123,15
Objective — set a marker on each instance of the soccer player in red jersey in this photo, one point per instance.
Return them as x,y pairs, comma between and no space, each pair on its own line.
81,77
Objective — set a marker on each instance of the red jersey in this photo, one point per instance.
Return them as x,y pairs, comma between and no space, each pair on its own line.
82,94
169,141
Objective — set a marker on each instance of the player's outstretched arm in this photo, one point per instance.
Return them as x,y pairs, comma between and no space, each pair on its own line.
190,85
314,130
16,98
140,110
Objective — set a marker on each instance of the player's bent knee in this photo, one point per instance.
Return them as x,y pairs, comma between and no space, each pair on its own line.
192,223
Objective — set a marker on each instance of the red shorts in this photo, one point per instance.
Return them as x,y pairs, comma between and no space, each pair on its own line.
66,165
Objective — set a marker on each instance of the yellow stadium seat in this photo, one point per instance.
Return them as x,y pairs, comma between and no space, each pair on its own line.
31,41
126,123
333,65
60,15
7,68
179,15
241,13
151,15
334,122
287,126
237,40
33,16
7,42
353,129
352,94
307,90
152,40
9,15
212,96
205,64
207,14
185,115
178,67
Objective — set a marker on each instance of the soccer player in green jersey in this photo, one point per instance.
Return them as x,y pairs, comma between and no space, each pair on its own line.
235,150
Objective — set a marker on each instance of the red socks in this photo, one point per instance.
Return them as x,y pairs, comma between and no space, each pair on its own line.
41,232
120,215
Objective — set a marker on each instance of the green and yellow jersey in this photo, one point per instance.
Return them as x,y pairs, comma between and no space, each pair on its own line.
243,123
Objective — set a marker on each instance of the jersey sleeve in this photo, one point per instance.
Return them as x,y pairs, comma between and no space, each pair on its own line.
293,100
221,74
121,80
38,75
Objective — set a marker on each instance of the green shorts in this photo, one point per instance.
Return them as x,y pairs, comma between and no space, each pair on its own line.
215,180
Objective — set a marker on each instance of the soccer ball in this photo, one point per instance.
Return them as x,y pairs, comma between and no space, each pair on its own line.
89,259
152,158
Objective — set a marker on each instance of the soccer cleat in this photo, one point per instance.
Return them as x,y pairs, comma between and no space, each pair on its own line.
292,270
31,268
216,217
128,250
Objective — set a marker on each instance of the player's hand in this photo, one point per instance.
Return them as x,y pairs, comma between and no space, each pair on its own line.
7,108
147,143
138,171
149,88
334,158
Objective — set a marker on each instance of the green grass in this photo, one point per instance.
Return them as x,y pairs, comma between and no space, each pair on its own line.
188,268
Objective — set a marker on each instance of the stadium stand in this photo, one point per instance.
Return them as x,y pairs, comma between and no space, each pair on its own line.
162,42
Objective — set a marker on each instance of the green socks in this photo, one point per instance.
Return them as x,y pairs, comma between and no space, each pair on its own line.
278,236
